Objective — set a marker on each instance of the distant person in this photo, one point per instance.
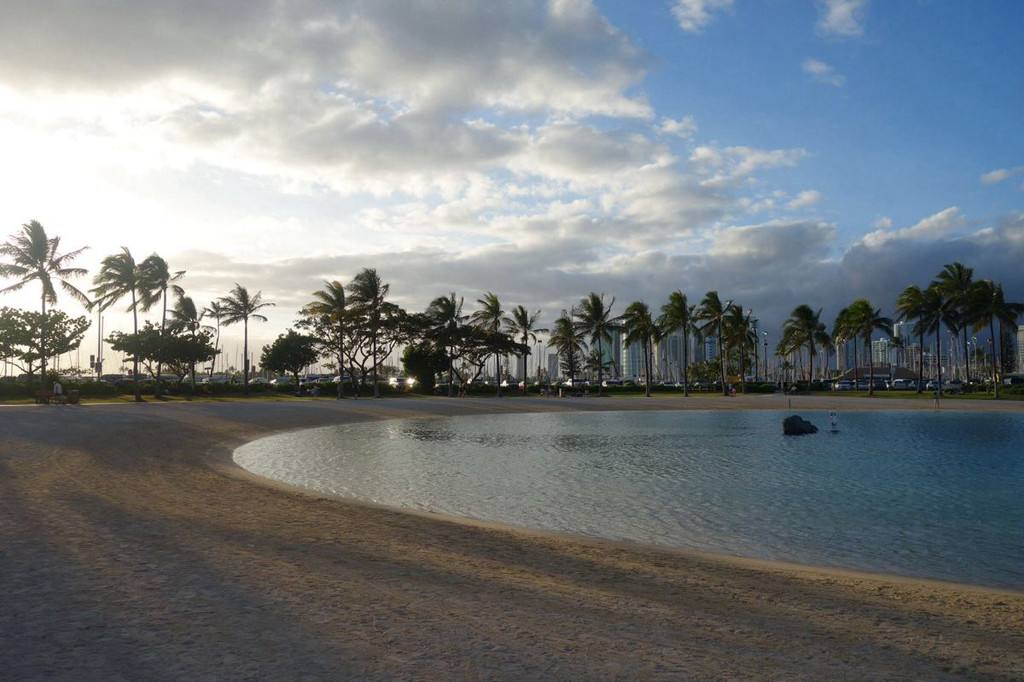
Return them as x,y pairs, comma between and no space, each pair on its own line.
57,388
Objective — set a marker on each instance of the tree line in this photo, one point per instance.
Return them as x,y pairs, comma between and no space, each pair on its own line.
354,327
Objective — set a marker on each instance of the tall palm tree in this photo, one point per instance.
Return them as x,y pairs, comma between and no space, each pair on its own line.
639,327
937,310
490,318
911,306
330,305
844,331
712,313
989,306
34,257
217,312
865,320
594,319
805,328
121,276
185,316
740,334
522,324
677,316
367,293
445,321
955,282
568,342
159,279
239,306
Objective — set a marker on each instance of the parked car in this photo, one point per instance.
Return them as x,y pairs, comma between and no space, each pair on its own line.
843,385
903,385
257,381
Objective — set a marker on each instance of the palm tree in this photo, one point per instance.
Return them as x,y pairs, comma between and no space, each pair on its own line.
955,282
33,257
594,319
217,312
804,328
864,320
330,305
567,340
936,310
989,305
641,328
121,276
186,316
522,324
911,306
367,293
739,334
239,306
490,318
677,316
159,279
445,320
712,313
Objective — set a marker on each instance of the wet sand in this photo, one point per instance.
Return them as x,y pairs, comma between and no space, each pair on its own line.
132,548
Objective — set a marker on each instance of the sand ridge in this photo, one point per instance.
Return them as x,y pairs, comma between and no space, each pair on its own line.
130,546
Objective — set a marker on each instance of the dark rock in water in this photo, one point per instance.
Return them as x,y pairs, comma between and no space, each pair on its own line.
797,426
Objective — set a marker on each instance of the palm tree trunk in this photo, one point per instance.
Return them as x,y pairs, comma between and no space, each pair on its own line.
920,362
938,359
723,356
451,369
995,375
600,366
135,360
686,360
245,356
856,373
497,372
967,358
42,345
871,367
160,347
810,365
647,368
376,386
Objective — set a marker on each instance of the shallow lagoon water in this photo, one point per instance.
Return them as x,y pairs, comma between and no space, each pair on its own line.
914,493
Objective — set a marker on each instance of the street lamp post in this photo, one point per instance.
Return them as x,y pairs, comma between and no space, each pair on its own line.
765,334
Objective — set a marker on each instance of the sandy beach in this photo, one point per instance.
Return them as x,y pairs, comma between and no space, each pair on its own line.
131,547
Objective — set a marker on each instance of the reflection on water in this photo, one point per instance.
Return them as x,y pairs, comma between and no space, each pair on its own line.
927,494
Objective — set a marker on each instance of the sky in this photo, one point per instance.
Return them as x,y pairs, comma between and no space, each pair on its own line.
780,152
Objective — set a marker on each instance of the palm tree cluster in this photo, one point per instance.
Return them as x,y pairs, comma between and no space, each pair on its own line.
355,326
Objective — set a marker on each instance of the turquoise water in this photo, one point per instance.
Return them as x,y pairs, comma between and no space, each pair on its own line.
923,494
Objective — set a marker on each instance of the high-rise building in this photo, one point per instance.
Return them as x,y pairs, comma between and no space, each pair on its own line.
632,361
611,353
880,351
554,371
1020,348
668,354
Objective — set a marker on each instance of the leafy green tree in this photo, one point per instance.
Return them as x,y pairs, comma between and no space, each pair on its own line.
216,311
911,306
368,294
594,319
523,326
159,279
26,337
327,317
956,281
805,328
740,336
289,353
640,327
239,306
567,340
862,319
712,313
678,316
490,318
424,361
938,310
121,276
34,257
187,319
989,306
444,325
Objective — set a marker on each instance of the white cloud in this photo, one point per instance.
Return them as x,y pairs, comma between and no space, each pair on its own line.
882,223
684,127
809,197
694,15
723,167
1000,174
841,17
940,224
823,73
